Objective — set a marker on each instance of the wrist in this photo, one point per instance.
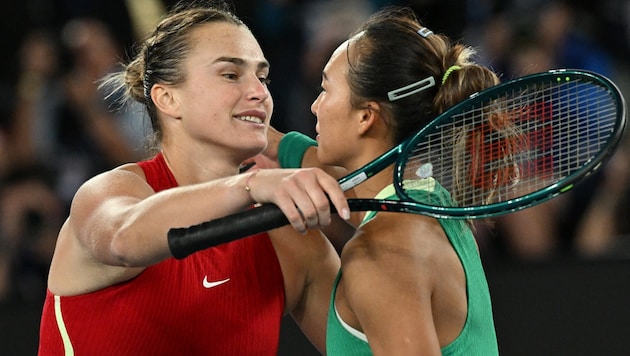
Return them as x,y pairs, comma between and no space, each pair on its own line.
292,147
248,182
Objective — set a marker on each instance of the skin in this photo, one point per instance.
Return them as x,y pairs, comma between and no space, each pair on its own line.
402,283
118,224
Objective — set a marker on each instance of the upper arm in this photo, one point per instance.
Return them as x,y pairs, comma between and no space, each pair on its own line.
85,259
309,266
101,209
388,286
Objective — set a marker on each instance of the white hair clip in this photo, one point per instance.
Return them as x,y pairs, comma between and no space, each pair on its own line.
425,32
411,89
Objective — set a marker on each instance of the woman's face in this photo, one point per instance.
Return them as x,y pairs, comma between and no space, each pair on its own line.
335,127
224,100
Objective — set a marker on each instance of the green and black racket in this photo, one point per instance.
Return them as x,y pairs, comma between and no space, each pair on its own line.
504,149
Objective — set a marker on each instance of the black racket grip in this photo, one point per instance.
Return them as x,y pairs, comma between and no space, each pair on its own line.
185,241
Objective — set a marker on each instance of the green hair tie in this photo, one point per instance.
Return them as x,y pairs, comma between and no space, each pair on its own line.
449,71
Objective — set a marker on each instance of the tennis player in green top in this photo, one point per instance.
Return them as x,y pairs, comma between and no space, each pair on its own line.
408,284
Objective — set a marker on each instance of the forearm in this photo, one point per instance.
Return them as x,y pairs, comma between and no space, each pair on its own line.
132,230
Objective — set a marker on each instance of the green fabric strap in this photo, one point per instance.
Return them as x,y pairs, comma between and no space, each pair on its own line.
292,147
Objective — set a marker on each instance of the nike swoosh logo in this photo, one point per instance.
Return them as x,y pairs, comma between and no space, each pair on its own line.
208,284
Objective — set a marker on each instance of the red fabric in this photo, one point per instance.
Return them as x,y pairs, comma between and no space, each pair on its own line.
166,310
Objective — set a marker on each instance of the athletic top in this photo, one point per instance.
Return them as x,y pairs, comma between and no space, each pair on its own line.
478,336
226,300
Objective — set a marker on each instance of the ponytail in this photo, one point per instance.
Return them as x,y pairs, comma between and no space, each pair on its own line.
461,79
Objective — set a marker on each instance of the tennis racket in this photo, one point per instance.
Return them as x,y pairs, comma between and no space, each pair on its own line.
509,147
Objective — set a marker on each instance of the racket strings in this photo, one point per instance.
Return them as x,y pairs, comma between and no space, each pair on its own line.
515,144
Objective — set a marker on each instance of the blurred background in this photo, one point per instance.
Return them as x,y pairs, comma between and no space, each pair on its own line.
559,273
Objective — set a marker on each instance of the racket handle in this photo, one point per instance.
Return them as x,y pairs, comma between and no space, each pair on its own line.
185,241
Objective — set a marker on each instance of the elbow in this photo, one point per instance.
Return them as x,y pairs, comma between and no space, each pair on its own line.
128,250
122,249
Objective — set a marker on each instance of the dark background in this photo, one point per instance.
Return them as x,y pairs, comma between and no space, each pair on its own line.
562,304
555,308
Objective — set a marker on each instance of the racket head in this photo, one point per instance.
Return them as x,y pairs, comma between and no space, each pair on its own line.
511,146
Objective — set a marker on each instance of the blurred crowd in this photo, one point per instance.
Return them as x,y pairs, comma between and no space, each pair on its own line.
57,128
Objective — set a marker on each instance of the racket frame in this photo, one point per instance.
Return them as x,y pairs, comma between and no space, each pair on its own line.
522,202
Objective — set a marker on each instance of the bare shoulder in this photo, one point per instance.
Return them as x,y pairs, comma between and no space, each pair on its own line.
393,242
396,233
124,180
127,174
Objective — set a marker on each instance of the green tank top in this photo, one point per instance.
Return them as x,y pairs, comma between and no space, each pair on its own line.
478,336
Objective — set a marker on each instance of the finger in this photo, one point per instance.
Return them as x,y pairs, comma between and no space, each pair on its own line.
323,190
307,209
318,200
292,213
311,199
335,195
312,217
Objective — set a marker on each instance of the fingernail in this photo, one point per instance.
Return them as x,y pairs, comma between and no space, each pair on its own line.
345,214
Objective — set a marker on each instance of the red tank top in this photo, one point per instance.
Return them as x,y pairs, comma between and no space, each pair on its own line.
226,300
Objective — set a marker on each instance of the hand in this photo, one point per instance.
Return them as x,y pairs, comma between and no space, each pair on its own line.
302,195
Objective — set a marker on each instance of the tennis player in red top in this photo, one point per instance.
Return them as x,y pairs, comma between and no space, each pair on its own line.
114,288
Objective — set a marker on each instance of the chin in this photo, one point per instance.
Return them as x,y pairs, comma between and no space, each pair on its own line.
254,149
323,158
258,140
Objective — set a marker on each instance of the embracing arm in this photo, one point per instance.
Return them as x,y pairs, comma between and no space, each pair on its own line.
299,148
121,221
340,230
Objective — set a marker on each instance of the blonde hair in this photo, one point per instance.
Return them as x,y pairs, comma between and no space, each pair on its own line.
160,56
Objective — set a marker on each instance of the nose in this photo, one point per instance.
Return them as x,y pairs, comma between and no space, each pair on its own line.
257,90
315,105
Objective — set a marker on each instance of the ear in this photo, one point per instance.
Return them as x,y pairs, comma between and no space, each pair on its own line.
369,117
163,97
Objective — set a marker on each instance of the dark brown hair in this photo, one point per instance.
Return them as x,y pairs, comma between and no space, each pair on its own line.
392,50
390,53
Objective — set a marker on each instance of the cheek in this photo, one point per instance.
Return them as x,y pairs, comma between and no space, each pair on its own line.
331,140
328,112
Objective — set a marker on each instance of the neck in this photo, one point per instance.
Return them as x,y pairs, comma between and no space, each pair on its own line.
197,168
371,187
367,151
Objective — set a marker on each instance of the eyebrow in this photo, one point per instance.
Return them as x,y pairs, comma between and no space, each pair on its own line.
241,62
